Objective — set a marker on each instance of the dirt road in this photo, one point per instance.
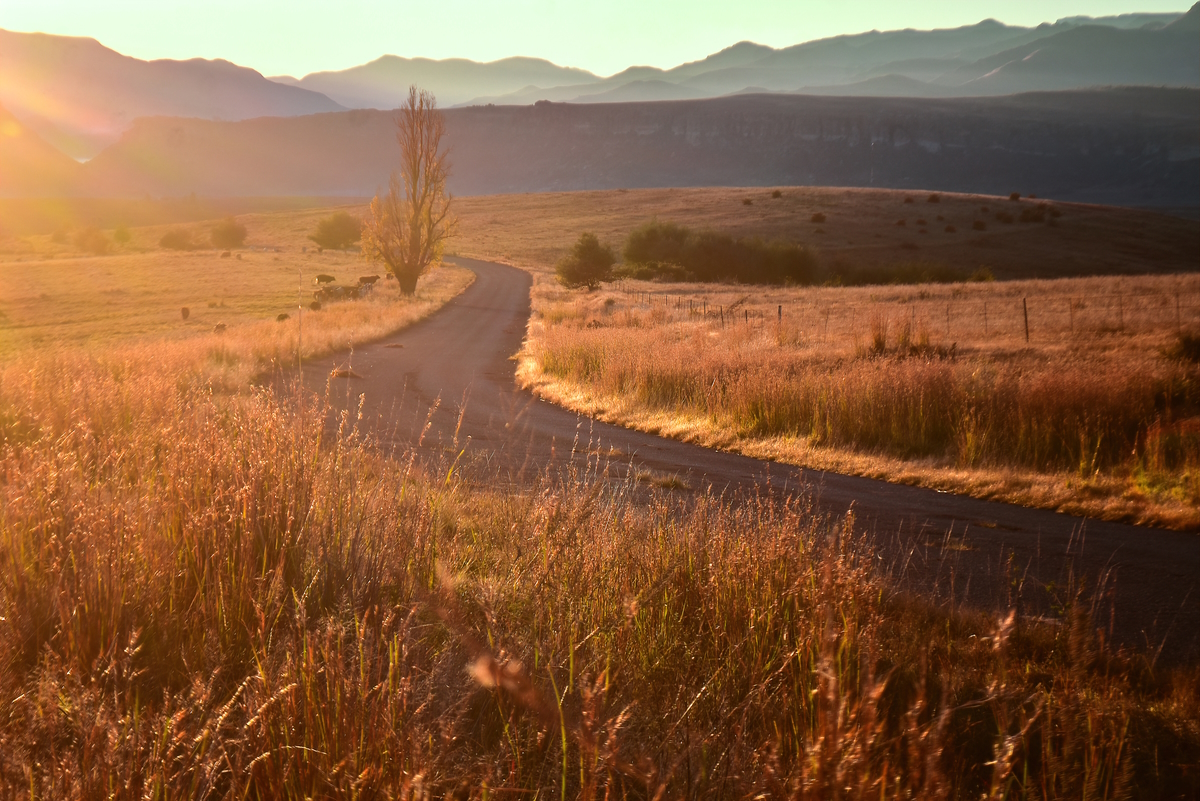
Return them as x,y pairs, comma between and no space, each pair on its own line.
448,383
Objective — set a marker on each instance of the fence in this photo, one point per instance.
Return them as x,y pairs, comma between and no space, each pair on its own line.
1003,319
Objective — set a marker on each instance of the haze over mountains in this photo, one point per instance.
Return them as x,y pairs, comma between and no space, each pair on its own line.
945,109
80,96
988,58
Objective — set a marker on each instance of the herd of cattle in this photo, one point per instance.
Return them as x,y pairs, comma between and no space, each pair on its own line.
329,291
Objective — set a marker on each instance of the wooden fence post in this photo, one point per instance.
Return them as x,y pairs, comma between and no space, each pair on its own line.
1025,306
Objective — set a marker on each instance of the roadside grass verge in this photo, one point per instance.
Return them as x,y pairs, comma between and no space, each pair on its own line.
209,594
934,385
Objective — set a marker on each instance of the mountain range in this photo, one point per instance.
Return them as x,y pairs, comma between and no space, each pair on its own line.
988,58
80,97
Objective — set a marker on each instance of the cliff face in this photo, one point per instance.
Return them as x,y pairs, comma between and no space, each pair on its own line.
1126,146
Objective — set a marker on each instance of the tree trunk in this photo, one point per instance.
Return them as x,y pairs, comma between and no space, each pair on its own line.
407,280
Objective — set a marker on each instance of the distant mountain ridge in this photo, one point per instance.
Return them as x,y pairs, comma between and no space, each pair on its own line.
81,96
1126,146
987,58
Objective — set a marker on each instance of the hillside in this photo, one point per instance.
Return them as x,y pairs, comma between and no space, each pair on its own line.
1127,147
80,96
384,82
29,166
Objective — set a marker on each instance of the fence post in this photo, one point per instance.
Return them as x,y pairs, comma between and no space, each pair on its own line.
780,312
1025,306
985,318
1071,306
1177,312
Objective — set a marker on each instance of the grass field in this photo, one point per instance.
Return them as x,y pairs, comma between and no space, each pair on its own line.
54,296
205,593
929,384
859,230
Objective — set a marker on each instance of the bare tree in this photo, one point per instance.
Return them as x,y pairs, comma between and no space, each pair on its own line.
408,226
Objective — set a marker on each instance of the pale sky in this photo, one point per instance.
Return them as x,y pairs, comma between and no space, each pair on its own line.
296,37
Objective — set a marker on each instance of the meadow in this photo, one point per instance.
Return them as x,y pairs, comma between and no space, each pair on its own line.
933,384
209,594
207,591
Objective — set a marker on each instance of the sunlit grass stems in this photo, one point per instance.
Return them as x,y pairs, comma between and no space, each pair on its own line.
1098,415
209,595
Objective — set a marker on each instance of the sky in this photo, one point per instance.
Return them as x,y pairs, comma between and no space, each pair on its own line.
296,37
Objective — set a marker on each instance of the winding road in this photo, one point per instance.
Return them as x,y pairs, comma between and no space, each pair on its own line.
447,383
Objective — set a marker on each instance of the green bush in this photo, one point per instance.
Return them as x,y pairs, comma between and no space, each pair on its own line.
587,265
121,235
338,231
92,240
177,239
715,256
228,233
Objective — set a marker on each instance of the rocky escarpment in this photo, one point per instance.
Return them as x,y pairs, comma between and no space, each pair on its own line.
1124,146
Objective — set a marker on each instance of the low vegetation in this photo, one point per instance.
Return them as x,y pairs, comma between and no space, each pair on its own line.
814,388
209,593
228,233
1095,414
338,231
211,590
664,249
587,265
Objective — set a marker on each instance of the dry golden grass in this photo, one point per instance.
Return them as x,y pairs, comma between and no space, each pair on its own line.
535,230
52,296
1075,419
207,595
872,382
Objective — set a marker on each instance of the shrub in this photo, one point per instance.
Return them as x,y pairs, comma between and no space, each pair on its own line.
715,256
1033,214
747,201
121,235
92,240
176,239
1005,217
338,231
934,198
59,237
818,217
979,225
901,223
1015,196
950,229
587,265
1186,347
776,194
908,200
228,233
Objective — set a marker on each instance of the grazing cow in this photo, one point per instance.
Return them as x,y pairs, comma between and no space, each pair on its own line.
324,279
225,254
283,317
219,328
367,280
338,292
185,312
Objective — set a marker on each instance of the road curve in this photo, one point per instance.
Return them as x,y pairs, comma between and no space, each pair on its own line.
450,379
